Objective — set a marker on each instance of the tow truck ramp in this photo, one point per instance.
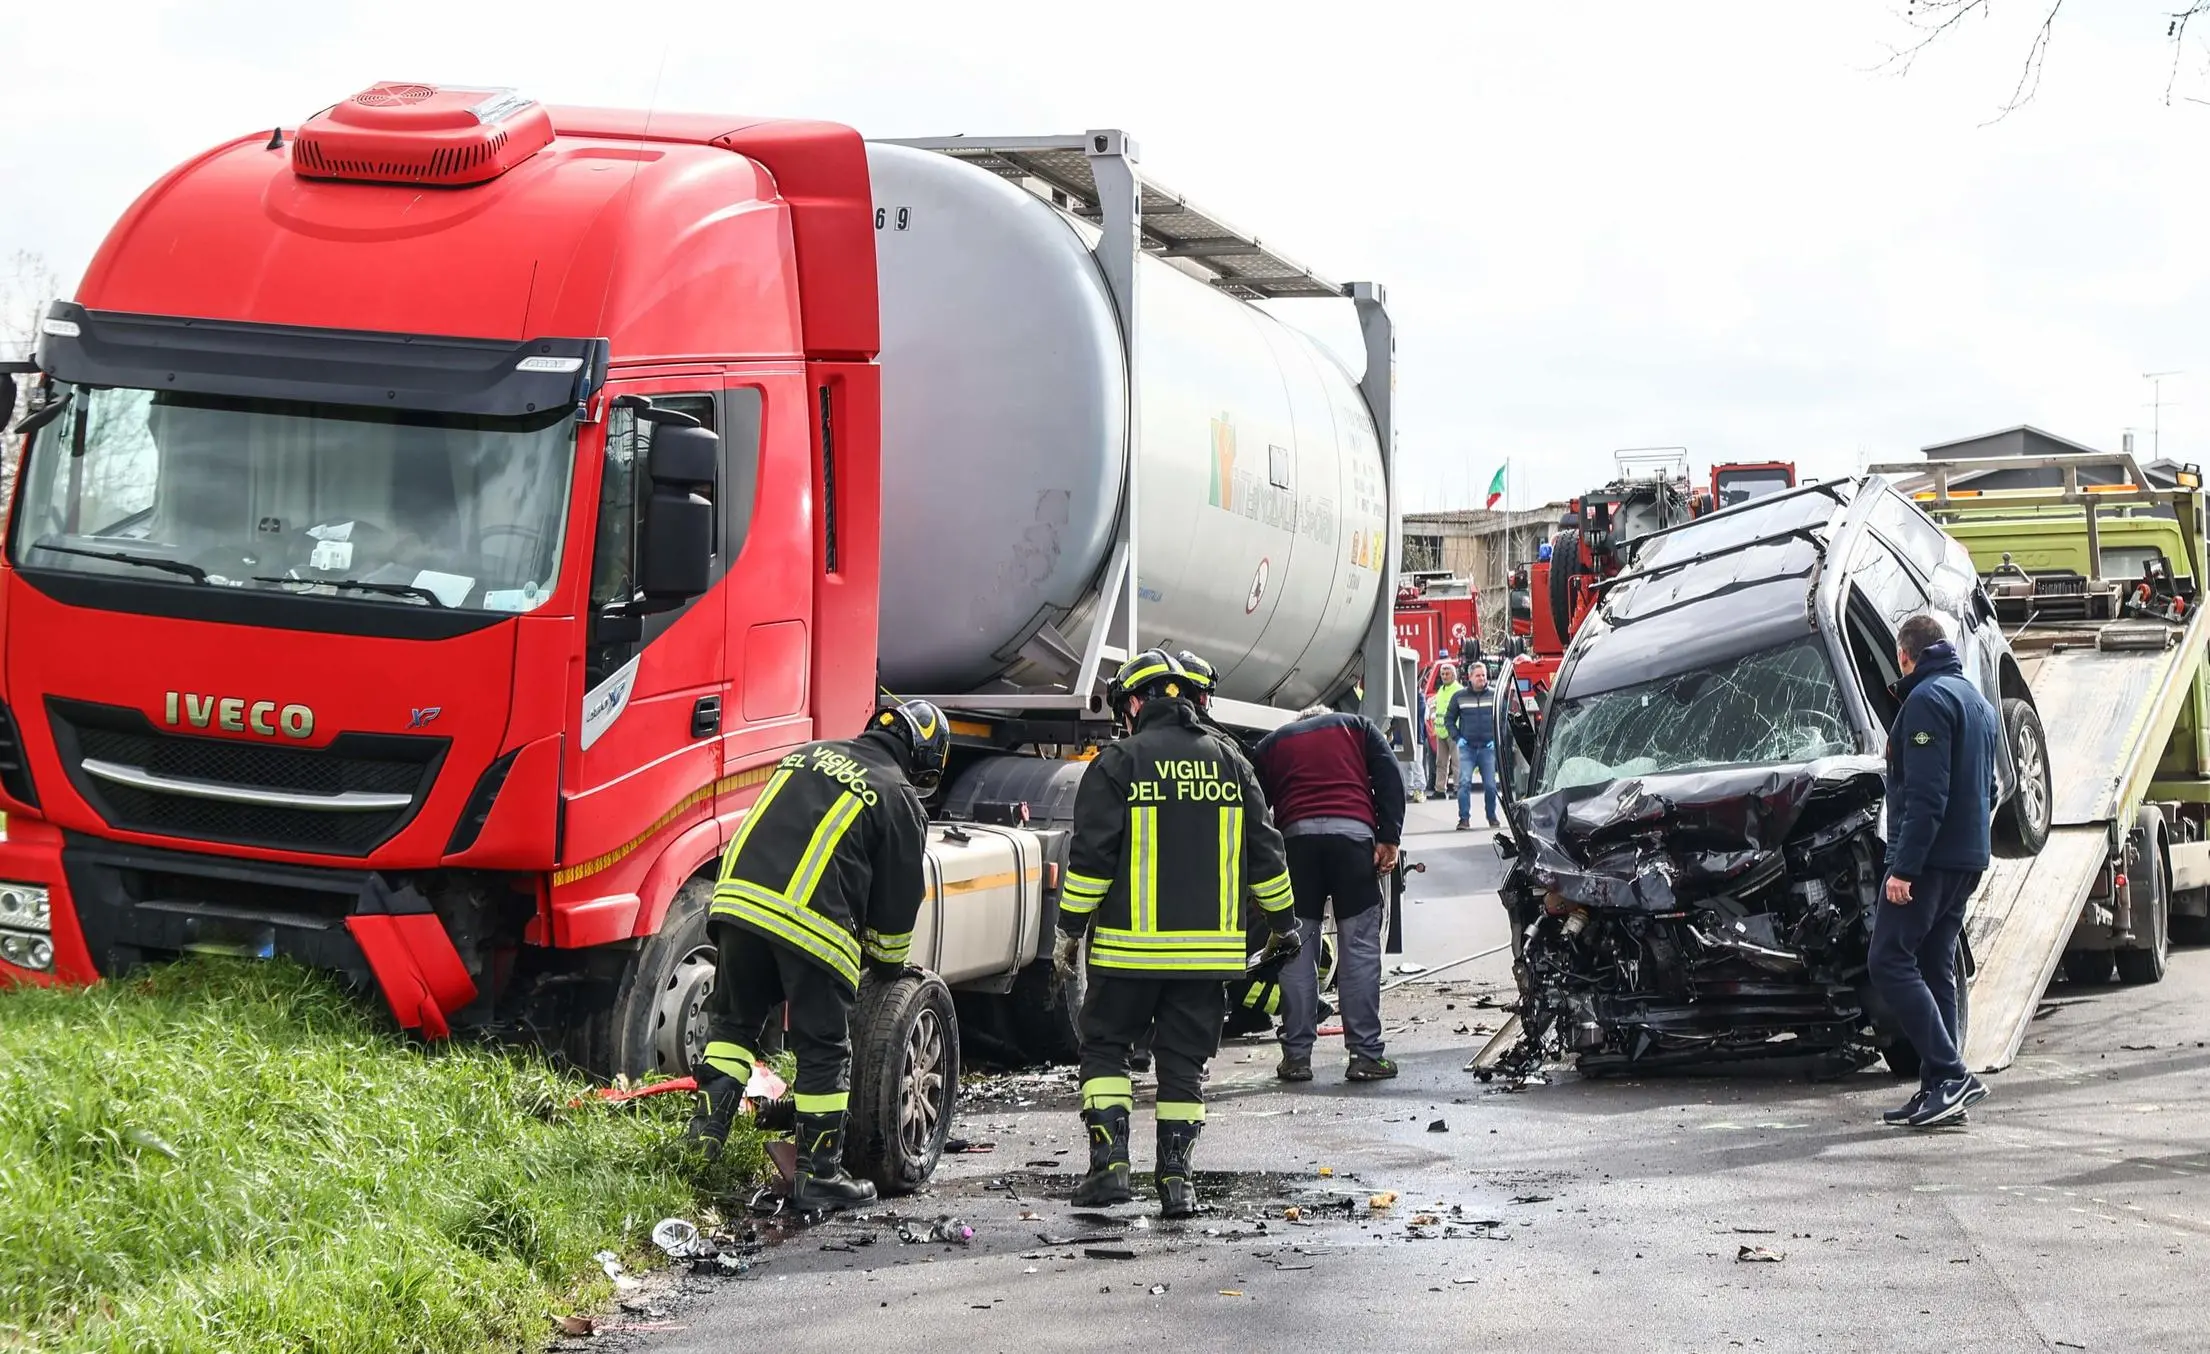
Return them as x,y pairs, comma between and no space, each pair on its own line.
2110,692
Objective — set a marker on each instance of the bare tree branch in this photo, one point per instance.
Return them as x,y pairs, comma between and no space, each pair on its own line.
2176,32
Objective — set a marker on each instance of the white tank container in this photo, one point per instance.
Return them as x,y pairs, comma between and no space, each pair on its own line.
1262,526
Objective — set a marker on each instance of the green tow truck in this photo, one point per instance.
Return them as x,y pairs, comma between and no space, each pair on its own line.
2098,587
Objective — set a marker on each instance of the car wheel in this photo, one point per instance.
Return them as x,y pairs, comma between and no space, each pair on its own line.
905,1080
2024,818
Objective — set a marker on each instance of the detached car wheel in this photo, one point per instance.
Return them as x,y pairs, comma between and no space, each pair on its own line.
2024,817
905,1080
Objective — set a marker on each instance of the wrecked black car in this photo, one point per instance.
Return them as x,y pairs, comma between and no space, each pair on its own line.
1696,828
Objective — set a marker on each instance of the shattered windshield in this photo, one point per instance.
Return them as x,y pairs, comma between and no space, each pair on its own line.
371,505
1781,705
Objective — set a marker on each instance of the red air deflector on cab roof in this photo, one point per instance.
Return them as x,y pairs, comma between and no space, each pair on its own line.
436,136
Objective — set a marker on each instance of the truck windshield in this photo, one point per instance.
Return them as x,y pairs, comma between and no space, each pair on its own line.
1740,486
367,504
1780,706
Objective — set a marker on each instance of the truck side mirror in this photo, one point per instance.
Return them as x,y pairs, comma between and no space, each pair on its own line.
675,538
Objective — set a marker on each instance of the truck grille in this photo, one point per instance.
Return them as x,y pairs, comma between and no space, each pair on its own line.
123,745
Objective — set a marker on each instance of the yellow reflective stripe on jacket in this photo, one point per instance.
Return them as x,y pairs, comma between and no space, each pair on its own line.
753,815
831,829
1231,866
1273,894
779,918
1143,868
1170,951
887,949
1083,892
1197,963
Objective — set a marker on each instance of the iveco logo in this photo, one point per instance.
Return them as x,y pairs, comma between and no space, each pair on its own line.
233,715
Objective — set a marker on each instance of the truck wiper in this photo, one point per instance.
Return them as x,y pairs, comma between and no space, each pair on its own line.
174,566
364,585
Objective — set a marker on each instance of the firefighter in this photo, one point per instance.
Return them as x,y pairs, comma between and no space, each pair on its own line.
823,880
1170,832
1254,999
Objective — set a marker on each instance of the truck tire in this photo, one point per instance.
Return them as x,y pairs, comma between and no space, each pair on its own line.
1565,547
1902,1058
905,1080
1046,1013
654,1019
2152,908
2024,817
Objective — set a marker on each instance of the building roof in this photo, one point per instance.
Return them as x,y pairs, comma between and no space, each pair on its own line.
2066,442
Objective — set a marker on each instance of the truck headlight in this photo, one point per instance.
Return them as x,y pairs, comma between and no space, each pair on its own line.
28,951
25,907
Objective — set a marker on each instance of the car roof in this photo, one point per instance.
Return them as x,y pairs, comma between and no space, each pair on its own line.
1758,561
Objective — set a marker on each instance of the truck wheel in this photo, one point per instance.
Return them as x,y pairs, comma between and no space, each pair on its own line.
2152,902
1046,1013
655,1021
1566,547
2024,818
1902,1059
905,1080
2087,968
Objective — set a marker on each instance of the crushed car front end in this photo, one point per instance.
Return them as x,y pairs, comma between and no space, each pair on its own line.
1695,846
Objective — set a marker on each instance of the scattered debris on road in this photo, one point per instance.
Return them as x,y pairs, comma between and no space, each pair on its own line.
1758,1254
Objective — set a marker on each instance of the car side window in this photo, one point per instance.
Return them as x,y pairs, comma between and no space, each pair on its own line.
1910,531
1885,583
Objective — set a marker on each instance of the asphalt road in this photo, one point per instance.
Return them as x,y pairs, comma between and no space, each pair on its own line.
2072,1213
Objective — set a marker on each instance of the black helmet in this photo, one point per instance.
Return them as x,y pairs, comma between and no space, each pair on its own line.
1154,672
921,729
1203,680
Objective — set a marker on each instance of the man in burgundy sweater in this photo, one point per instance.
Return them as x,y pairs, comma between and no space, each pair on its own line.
1338,801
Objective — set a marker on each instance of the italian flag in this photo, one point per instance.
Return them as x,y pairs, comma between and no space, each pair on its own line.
1496,488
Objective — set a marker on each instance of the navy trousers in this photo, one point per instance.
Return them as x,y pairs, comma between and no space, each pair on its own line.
1914,967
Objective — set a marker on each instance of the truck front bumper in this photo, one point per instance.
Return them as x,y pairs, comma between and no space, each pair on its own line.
113,907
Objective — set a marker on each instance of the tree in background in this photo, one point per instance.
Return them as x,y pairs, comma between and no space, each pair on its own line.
1936,20
27,286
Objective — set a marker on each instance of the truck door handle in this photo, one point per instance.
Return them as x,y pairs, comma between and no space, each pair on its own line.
706,717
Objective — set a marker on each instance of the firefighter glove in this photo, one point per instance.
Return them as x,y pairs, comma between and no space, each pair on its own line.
1066,954
1281,946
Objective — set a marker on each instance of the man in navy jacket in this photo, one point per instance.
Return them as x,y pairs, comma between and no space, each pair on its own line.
1470,720
1941,789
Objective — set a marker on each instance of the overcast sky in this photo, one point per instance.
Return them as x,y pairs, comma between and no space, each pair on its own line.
1616,223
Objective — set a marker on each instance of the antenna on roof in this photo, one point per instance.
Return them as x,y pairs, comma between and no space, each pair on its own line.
276,139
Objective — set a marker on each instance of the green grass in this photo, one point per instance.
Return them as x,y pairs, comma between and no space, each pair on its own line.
241,1157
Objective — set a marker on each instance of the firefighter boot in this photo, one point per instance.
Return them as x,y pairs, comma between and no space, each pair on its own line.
822,1185
719,1095
1107,1182
1177,1187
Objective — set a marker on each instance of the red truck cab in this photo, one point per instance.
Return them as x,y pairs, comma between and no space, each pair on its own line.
433,525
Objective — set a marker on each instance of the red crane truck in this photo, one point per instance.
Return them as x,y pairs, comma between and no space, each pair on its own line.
436,520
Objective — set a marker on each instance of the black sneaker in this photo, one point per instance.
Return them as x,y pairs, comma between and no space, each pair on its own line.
1294,1069
1975,1091
1946,1103
1464,826
1363,1068
1901,1114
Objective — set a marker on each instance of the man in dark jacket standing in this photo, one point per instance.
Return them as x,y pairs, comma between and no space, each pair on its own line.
1941,788
1471,722
1338,799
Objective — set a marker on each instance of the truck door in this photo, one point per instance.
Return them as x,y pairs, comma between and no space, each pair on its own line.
647,748
767,516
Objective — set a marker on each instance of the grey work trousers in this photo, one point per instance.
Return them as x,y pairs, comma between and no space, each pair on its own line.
1357,986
